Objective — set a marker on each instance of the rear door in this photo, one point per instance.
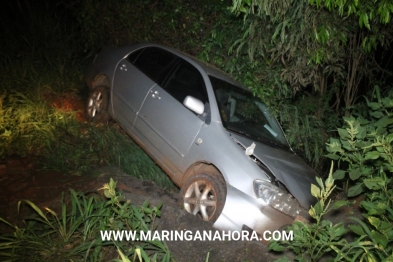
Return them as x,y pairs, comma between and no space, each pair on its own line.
165,122
134,77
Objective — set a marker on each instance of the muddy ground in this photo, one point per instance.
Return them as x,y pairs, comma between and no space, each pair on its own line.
23,179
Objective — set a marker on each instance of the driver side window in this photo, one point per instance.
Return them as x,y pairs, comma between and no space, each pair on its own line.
186,81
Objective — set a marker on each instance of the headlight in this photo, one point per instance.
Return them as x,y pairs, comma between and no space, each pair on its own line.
276,198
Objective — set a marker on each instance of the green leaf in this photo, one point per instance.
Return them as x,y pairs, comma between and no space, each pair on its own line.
329,182
362,133
276,247
363,20
357,229
386,228
311,212
389,137
145,204
377,114
372,155
346,145
371,208
373,183
363,225
384,121
343,133
332,156
387,102
339,230
374,105
379,238
315,191
339,174
320,183
355,190
374,221
355,174
339,203
318,208
334,145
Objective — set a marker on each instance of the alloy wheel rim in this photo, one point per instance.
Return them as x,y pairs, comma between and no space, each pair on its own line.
95,104
200,198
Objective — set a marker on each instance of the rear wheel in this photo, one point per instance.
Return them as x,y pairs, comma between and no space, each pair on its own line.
97,105
204,194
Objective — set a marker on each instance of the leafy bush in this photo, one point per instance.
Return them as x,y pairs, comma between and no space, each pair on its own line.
364,152
313,241
364,147
323,239
74,234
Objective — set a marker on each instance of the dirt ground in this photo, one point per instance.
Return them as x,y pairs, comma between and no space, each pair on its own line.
21,178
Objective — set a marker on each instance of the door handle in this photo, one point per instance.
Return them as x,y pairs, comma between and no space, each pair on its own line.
123,67
155,94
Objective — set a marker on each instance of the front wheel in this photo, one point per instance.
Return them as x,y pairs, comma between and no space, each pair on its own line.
204,194
97,105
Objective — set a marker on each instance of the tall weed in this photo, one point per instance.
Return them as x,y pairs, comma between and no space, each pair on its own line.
364,152
73,234
28,124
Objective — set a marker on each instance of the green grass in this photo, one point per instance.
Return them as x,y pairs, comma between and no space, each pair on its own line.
73,233
102,145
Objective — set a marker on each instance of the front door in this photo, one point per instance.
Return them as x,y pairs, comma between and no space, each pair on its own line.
165,122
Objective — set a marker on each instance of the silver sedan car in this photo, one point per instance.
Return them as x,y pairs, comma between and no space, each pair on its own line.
220,144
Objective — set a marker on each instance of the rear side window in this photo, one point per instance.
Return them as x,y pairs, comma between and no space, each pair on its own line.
152,61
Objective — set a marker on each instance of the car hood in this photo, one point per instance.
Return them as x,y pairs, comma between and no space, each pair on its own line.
287,167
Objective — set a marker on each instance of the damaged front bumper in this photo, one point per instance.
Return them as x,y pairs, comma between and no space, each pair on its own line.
242,211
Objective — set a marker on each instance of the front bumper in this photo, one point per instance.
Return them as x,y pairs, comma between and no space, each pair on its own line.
242,211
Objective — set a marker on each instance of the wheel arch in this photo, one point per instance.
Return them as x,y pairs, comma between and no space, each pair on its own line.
100,80
193,170
206,179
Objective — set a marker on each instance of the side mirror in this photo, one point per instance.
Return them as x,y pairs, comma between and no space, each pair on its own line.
194,104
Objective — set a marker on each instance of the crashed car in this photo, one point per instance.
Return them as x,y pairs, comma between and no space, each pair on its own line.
220,144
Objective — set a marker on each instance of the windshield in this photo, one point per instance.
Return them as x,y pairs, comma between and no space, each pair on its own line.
245,114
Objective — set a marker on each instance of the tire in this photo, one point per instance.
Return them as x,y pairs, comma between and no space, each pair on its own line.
97,105
204,193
